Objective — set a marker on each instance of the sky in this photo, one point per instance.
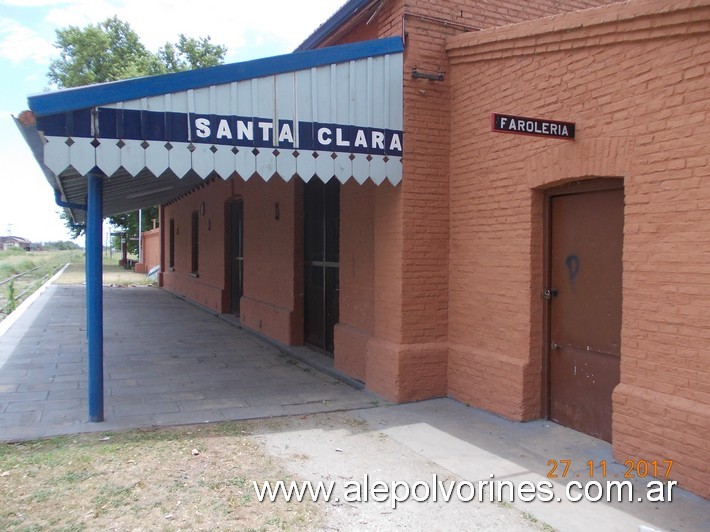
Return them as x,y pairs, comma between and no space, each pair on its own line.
249,29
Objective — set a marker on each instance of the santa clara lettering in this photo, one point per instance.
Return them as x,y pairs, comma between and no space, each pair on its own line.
262,132
539,127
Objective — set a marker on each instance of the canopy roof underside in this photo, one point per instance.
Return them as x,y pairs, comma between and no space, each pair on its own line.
332,113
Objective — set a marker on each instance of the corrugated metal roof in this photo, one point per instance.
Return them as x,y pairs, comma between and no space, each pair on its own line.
327,113
93,95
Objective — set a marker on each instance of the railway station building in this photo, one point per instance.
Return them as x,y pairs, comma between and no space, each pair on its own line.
503,202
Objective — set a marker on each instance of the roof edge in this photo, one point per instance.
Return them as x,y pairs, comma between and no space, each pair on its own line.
331,25
131,89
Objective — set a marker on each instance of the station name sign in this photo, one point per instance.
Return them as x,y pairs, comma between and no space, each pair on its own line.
230,130
537,127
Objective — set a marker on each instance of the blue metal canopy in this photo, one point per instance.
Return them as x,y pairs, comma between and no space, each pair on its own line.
332,113
93,95
329,113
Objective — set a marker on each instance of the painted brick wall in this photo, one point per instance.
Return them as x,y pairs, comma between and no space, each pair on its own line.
150,246
635,77
407,356
208,288
401,350
273,294
273,259
357,271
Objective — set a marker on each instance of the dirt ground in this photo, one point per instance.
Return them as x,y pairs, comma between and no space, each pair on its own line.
201,478
189,478
113,275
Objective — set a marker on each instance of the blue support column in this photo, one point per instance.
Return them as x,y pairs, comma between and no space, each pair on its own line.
94,295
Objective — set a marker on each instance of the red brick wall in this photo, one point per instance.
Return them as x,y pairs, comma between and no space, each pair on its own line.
407,356
272,302
638,89
150,246
273,260
208,288
401,347
357,272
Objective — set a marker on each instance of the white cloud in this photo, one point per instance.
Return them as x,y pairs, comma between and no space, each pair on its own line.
19,43
80,12
237,24
31,3
27,201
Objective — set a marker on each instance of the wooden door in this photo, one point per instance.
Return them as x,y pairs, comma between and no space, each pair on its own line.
585,246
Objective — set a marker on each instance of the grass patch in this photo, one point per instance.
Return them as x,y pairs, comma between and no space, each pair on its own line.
35,266
13,251
113,275
145,479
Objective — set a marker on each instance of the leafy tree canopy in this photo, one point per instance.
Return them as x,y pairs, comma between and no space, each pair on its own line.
128,224
59,245
110,51
190,53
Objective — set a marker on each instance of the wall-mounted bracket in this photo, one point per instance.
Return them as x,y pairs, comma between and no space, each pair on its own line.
439,76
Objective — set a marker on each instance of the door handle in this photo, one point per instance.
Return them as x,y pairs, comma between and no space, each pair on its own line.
550,293
554,346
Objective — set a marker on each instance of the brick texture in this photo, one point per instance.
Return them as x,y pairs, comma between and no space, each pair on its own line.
273,268
441,276
411,232
635,79
207,289
150,246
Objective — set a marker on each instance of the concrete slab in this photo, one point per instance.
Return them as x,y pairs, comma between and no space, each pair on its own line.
166,362
478,446
171,363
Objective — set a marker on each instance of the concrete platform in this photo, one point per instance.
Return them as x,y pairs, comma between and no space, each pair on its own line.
166,362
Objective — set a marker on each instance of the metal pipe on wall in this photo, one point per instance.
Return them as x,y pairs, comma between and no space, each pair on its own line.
140,236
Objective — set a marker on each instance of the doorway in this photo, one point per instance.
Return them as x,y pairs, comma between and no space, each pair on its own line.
585,273
321,262
236,254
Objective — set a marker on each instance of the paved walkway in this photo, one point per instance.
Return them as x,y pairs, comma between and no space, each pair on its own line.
166,362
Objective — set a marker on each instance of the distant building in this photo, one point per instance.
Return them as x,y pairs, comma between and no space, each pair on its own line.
7,242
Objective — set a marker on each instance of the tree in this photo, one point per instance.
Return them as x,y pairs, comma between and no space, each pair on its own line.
107,51
190,53
59,245
111,51
128,224
75,230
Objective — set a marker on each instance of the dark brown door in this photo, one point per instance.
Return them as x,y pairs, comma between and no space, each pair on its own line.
236,209
586,235
321,266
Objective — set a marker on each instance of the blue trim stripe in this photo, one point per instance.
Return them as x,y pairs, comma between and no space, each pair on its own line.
90,96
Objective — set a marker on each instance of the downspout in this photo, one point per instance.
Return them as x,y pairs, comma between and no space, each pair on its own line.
68,205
